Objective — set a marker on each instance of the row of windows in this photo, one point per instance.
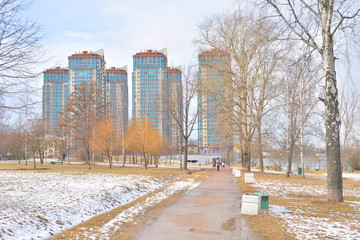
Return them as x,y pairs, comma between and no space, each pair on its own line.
157,60
80,76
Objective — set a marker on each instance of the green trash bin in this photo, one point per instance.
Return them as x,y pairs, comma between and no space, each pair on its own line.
299,170
264,202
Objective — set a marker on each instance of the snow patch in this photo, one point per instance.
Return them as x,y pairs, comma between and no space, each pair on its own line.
278,209
304,224
37,205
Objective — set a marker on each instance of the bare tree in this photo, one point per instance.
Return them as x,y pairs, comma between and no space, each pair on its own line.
20,53
144,139
226,130
354,157
249,76
187,117
36,138
83,109
321,24
300,87
104,139
15,138
350,114
14,143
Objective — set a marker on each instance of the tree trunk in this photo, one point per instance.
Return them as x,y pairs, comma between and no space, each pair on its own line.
68,156
41,157
242,158
260,148
34,163
145,161
44,157
290,156
186,142
110,160
302,129
247,156
88,159
180,158
124,159
228,157
332,123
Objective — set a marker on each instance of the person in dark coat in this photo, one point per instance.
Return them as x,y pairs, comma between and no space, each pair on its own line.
218,163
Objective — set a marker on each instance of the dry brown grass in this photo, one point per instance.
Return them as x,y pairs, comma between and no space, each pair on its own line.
273,227
269,226
83,169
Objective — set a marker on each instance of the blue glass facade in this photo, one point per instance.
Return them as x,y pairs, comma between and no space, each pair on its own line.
210,63
88,68
176,91
150,89
55,95
117,97
84,68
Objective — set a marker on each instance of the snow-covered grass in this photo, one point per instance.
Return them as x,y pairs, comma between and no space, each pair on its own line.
305,213
139,209
37,205
355,176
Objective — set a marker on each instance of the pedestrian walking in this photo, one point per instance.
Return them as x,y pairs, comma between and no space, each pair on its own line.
218,164
223,164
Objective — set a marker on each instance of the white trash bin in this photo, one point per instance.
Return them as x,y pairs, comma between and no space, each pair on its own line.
237,173
249,178
250,204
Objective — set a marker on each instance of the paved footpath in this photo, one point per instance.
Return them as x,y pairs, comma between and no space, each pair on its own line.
209,211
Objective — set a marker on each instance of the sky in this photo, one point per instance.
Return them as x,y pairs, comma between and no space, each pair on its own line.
122,28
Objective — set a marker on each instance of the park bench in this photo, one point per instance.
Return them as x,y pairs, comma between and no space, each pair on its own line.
53,162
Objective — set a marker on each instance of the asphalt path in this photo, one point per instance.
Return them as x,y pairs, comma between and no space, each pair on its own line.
209,211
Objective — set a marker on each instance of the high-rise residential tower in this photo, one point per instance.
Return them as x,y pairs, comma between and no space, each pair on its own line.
210,80
117,97
88,68
55,94
85,69
150,90
176,96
